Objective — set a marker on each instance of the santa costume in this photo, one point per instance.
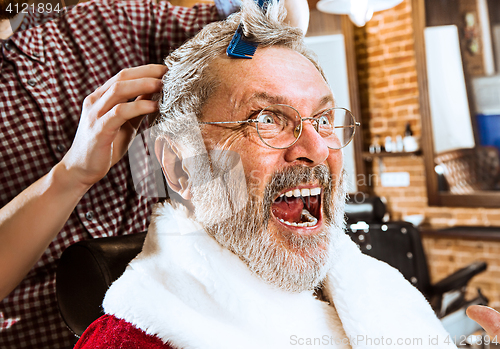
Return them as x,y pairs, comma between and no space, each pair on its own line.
185,291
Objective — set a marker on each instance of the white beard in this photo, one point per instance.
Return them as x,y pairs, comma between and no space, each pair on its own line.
239,222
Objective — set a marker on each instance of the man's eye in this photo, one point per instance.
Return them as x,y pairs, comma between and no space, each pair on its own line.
323,121
266,119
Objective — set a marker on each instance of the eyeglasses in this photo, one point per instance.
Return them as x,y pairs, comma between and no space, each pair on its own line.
279,126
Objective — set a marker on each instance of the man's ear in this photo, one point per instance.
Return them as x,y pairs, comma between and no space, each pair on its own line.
170,159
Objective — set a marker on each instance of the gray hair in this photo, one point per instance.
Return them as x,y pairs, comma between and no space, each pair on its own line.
189,82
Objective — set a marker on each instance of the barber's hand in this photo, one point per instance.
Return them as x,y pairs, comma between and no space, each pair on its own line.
109,122
488,318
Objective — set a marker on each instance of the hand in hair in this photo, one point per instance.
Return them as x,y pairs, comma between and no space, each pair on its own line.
109,122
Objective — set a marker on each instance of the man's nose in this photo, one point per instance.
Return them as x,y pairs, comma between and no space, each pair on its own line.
310,149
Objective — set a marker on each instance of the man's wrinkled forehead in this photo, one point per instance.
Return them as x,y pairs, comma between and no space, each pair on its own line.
271,56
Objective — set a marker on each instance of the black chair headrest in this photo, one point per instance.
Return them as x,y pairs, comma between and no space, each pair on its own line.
85,272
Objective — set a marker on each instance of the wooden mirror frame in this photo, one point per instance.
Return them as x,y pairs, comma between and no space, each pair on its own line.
436,198
352,77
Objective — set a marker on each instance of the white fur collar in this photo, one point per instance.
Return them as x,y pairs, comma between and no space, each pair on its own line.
192,293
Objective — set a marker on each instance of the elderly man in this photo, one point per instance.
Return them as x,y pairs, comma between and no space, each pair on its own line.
252,147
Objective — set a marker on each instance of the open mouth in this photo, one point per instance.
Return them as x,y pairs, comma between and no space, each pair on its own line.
298,207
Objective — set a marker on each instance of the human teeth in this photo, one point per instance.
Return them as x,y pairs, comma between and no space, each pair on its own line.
304,224
309,216
305,213
302,192
315,191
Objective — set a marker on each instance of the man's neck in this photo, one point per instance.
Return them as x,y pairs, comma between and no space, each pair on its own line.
9,26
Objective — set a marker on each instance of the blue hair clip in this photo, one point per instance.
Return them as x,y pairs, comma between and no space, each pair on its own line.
240,46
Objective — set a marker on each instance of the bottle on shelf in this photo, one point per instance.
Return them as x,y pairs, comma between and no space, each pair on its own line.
389,144
375,146
410,143
399,144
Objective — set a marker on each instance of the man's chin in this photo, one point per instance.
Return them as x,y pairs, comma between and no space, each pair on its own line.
282,258
285,260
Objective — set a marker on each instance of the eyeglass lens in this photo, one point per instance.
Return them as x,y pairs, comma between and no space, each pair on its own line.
279,126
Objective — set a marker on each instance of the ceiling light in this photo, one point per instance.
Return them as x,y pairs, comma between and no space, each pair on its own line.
359,11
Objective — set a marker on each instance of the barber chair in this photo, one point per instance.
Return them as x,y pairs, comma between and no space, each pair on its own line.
85,272
470,170
399,244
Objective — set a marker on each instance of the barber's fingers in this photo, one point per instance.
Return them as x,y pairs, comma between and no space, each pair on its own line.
113,89
119,125
145,71
488,318
133,112
122,92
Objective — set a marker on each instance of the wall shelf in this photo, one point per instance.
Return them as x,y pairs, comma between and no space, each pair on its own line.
462,232
367,156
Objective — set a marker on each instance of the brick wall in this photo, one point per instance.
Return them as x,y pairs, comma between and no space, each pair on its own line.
389,99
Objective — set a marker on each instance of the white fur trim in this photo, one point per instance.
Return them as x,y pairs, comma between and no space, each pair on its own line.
374,300
192,293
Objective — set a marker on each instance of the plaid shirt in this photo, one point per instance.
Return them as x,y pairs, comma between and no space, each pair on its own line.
45,73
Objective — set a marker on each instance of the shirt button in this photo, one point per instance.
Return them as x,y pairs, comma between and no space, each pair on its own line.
7,46
36,54
89,215
32,82
61,148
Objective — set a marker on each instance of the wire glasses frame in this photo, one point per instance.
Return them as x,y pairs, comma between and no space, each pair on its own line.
279,126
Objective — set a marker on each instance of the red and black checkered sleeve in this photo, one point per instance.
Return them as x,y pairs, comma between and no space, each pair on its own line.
156,29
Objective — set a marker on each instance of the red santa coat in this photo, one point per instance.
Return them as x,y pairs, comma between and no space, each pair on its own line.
109,332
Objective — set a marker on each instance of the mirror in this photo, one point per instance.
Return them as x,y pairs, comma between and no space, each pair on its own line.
331,37
457,46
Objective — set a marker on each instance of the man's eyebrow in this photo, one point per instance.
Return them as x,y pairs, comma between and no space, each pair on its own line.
266,97
328,99
278,99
